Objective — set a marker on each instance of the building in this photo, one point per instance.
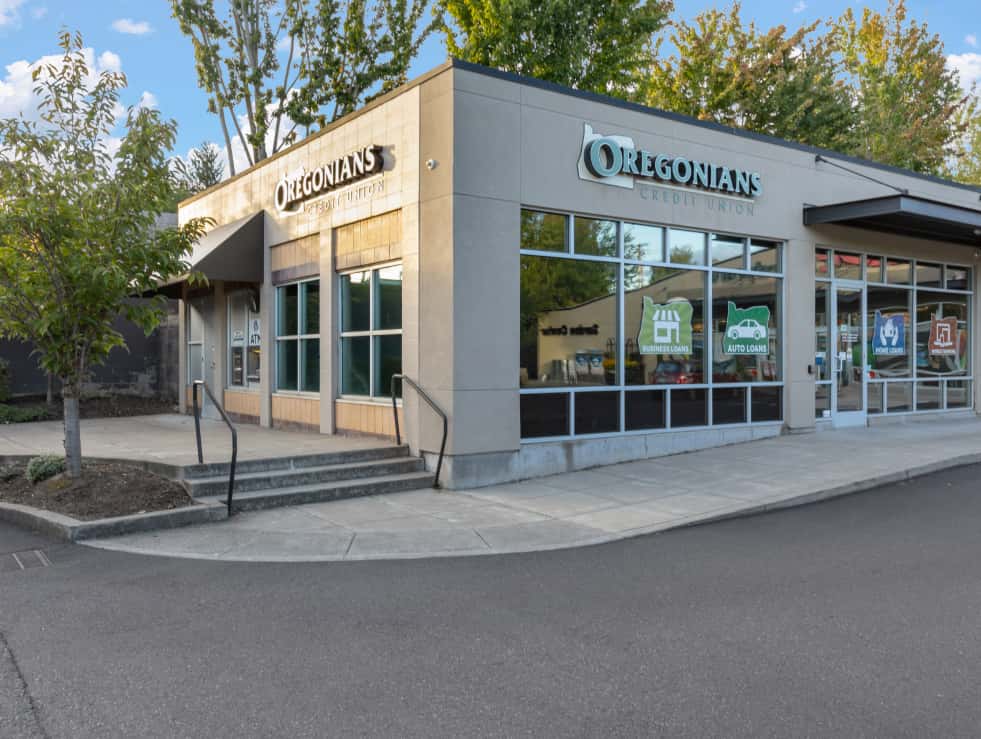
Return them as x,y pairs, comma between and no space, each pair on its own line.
576,280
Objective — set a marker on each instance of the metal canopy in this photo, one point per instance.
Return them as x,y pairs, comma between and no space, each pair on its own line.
232,252
903,214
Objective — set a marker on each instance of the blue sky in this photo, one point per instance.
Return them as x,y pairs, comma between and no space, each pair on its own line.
143,40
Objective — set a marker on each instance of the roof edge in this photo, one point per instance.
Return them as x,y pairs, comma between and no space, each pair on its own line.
709,125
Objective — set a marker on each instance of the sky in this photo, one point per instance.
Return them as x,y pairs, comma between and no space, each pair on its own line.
143,41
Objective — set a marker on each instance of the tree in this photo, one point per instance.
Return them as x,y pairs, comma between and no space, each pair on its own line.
770,82
909,103
966,165
77,224
596,45
202,169
337,53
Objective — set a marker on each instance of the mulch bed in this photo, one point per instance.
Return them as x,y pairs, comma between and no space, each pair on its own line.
112,406
104,490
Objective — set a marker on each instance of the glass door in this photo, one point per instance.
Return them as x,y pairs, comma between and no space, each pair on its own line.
847,360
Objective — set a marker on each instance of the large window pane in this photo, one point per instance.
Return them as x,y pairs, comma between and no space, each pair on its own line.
822,334
643,243
568,322
764,256
597,413
543,231
645,409
310,320
686,247
388,362
889,332
286,310
942,345
388,298
663,314
310,365
728,405
746,328
595,237
356,365
848,266
766,402
928,275
356,302
544,415
286,364
727,251
898,272
688,408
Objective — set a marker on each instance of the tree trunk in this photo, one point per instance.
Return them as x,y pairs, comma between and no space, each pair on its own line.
73,433
49,395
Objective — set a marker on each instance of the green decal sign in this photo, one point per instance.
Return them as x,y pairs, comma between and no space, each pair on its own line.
747,330
665,329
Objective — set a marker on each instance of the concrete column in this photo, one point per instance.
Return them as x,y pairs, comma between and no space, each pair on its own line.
182,350
328,332
798,319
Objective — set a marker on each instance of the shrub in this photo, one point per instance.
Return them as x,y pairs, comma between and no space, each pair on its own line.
25,414
43,467
4,380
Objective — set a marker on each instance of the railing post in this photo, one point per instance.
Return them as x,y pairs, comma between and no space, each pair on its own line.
395,411
197,418
422,394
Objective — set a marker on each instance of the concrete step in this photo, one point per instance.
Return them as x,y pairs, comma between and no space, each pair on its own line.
301,494
290,478
324,459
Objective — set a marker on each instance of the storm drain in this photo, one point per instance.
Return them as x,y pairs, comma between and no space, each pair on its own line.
29,559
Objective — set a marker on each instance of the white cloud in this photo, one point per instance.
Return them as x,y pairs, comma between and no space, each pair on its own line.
148,100
8,12
128,25
800,7
39,12
967,66
110,61
971,40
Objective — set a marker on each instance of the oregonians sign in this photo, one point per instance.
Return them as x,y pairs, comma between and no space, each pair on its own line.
614,160
293,190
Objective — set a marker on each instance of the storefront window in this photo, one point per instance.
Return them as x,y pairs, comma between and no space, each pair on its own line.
298,336
848,266
543,231
244,339
568,322
942,345
626,336
745,328
371,331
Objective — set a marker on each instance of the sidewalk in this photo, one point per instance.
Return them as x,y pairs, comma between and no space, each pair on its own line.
580,508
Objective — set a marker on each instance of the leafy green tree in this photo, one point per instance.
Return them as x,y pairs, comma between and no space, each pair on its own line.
337,53
772,82
596,45
202,169
909,103
77,224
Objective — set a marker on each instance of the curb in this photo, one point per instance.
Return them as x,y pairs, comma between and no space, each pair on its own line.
71,529
170,471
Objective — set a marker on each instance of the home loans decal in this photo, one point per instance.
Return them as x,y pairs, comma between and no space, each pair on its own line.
292,191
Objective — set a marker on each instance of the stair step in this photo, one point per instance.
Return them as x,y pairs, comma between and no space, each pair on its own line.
272,479
302,494
323,459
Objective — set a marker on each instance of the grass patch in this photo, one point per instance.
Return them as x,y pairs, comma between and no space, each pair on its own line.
23,413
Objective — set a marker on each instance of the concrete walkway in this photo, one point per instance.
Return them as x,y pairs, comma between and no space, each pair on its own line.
168,438
580,508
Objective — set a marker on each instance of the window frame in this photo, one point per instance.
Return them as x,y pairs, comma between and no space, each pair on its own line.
371,333
708,268
298,338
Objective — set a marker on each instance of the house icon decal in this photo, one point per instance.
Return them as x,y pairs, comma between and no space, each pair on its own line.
667,326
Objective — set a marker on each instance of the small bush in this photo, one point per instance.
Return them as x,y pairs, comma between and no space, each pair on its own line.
4,380
44,467
22,414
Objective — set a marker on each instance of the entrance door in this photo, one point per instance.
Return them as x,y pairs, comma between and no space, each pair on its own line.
848,360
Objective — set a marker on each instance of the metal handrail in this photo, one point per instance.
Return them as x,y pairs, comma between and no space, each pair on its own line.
197,434
422,394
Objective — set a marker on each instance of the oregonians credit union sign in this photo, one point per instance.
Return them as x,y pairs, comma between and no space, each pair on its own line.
614,160
291,191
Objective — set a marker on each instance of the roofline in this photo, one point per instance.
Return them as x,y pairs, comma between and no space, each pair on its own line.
710,125
371,105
